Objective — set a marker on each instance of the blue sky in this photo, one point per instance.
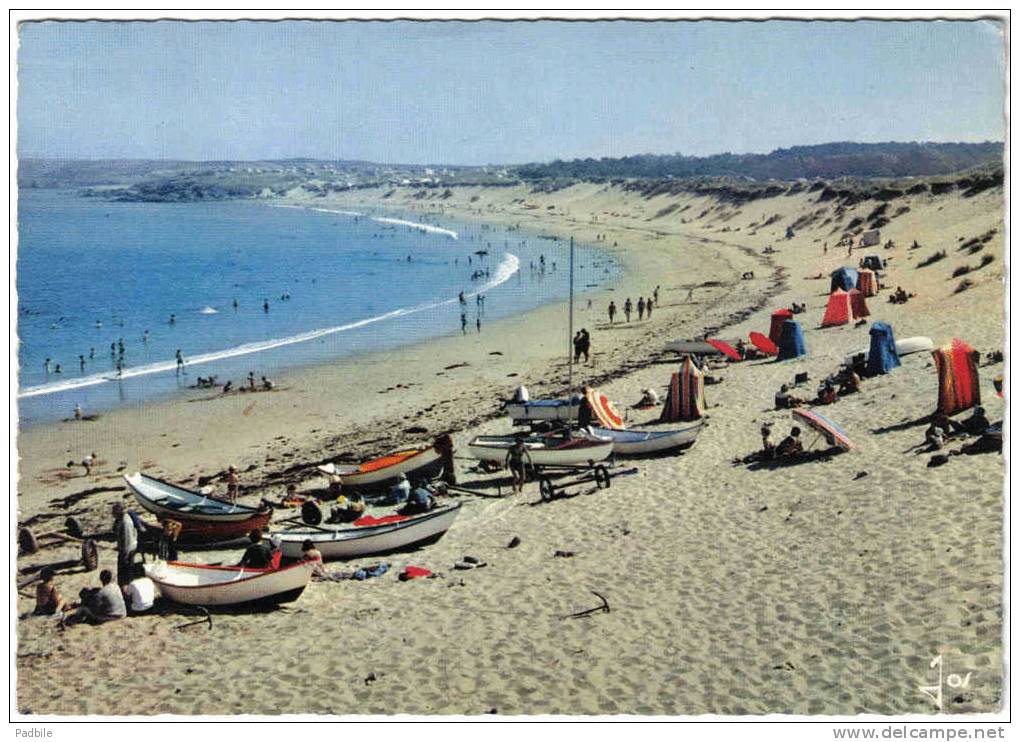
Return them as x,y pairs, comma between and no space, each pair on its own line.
476,93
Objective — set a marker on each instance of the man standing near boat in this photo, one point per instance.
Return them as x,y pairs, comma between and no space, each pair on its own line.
517,461
127,542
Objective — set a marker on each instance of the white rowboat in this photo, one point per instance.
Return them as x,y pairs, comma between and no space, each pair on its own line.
904,347
543,450
361,541
649,442
416,463
207,585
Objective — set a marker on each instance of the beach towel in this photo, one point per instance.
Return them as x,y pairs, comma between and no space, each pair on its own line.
867,283
838,311
410,573
686,397
843,278
791,342
857,305
882,356
959,386
776,328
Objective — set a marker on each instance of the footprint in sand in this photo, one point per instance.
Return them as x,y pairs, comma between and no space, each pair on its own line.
247,410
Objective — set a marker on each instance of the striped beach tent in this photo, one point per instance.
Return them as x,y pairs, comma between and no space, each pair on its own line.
867,282
686,397
959,386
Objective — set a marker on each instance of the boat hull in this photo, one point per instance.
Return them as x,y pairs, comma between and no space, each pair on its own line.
904,347
426,464
353,543
650,443
543,410
209,586
493,449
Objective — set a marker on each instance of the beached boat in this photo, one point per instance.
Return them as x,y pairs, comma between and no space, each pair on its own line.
395,533
649,442
541,410
696,347
904,347
208,585
416,464
203,519
553,449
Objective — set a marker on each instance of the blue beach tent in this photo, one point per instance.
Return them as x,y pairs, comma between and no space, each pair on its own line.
791,341
843,278
882,356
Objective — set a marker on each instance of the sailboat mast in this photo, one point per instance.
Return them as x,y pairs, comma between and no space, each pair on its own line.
570,334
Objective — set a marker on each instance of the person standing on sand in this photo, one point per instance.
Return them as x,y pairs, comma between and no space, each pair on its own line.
517,461
585,344
88,462
251,381
612,311
640,308
655,294
627,308
232,486
463,323
478,324
648,307
577,346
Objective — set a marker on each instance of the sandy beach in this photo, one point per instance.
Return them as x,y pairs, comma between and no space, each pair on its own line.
821,588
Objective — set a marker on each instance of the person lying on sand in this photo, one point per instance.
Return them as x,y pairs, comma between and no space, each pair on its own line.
976,424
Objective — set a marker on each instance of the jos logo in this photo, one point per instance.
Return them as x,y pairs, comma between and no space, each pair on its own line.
953,681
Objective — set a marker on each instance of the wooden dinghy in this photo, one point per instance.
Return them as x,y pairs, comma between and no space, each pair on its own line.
203,519
397,534
208,585
415,463
545,450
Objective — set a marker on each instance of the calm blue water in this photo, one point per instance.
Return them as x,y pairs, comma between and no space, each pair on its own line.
92,274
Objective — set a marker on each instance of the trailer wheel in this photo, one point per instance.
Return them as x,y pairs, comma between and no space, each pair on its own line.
27,543
311,513
602,480
73,526
89,555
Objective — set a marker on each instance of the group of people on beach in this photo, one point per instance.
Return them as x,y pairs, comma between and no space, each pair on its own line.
644,306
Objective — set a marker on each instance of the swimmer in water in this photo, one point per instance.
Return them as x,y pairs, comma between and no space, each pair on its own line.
92,354
265,306
180,361
173,319
81,362
145,336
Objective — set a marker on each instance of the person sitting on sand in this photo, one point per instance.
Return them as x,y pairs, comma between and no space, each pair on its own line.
259,554
790,445
976,424
827,394
517,460
347,510
100,605
140,593
649,398
785,400
851,382
309,553
267,385
934,438
768,448
401,490
741,349
228,386
48,601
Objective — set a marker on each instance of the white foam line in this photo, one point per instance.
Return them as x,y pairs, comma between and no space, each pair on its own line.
415,225
507,267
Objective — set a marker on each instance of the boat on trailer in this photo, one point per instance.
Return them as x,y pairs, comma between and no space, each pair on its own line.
543,410
649,442
203,518
393,533
552,449
415,463
209,585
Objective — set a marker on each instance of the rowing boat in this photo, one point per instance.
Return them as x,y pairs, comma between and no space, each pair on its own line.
904,347
360,541
649,442
416,464
208,585
203,519
544,450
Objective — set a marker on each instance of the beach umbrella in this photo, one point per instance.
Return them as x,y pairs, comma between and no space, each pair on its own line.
603,410
725,348
824,426
762,343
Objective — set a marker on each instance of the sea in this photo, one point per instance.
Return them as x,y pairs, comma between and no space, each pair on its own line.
109,292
